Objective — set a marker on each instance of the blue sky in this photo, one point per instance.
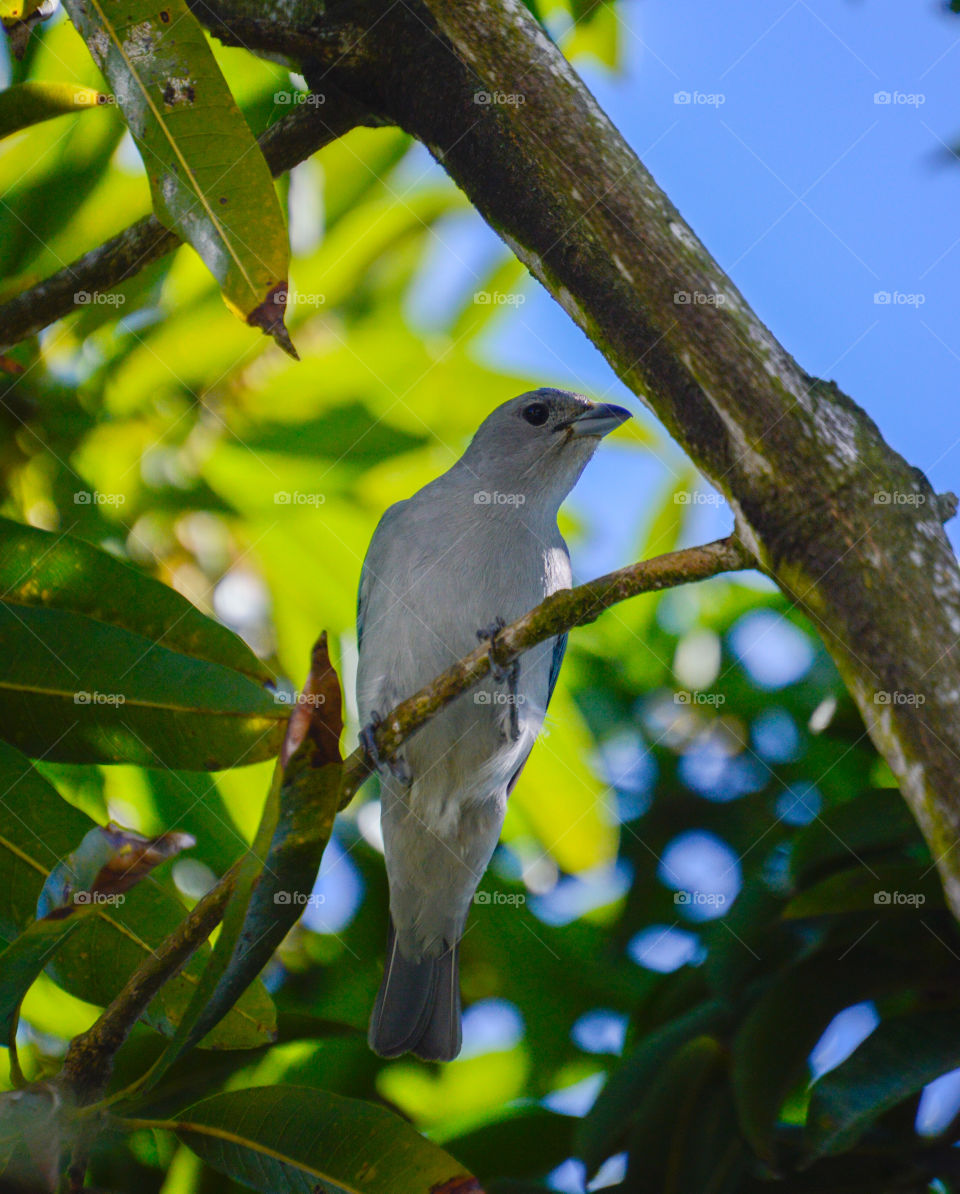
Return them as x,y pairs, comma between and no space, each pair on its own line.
812,195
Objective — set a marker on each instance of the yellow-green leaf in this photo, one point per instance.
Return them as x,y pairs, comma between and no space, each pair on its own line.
208,178
30,103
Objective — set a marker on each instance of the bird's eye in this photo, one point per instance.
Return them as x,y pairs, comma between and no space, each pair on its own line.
536,413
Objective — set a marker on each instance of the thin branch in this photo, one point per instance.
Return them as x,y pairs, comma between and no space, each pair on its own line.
291,140
557,614
89,1060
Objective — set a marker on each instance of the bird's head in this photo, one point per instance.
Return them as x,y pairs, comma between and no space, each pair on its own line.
538,444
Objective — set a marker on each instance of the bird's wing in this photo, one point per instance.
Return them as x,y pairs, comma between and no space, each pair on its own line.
368,578
559,647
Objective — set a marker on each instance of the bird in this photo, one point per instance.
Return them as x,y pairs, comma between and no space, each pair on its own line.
472,550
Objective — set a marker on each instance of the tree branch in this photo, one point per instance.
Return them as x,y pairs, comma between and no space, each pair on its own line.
291,140
558,613
89,1061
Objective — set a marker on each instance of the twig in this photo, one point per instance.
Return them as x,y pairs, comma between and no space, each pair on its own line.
559,613
89,1061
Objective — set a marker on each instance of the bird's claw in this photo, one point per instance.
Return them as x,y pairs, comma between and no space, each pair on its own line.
487,635
509,674
368,740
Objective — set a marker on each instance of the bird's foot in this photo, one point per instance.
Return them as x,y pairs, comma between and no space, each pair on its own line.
509,674
368,740
488,634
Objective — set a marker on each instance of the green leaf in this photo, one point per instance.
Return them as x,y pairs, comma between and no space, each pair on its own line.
617,1106
57,571
278,873
79,691
527,1141
208,178
774,1040
37,830
22,961
674,1145
30,103
883,890
898,1059
298,1140
855,831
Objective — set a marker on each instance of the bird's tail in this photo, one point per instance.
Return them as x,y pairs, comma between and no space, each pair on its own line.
418,1006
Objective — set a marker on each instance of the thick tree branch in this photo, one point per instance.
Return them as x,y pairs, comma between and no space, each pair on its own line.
291,140
561,612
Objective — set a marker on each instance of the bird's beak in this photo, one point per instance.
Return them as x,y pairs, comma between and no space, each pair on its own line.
599,419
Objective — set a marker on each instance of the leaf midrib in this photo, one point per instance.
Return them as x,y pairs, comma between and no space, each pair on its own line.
211,214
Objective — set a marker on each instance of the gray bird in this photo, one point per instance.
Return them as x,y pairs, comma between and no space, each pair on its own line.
475,548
